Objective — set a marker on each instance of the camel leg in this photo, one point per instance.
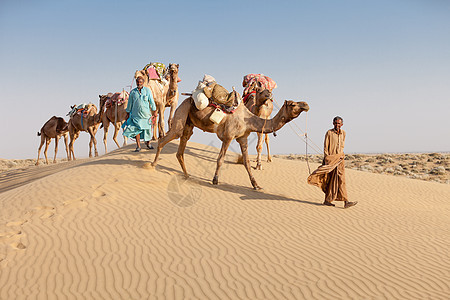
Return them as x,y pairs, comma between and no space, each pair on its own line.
187,133
269,157
155,131
244,149
124,139
179,122
172,112
161,122
47,142
40,147
56,148
67,146
105,133
116,132
90,146
220,159
93,141
259,147
73,137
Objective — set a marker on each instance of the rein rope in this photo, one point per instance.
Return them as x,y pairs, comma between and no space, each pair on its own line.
304,138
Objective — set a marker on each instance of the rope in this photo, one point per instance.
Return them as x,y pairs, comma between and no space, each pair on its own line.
306,142
316,148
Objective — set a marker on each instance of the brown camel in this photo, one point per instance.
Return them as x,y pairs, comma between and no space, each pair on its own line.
164,95
115,113
237,125
260,103
55,128
89,123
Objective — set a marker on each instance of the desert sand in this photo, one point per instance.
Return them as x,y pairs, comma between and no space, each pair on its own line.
112,227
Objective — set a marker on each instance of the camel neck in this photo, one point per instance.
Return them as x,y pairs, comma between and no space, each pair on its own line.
258,124
173,79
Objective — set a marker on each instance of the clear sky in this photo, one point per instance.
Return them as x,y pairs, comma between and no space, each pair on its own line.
384,65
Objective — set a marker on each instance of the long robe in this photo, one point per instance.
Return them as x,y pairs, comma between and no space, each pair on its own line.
140,104
330,176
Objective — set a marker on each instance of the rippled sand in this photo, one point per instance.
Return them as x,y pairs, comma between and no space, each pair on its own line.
113,227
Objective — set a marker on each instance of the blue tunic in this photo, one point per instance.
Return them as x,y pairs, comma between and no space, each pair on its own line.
139,105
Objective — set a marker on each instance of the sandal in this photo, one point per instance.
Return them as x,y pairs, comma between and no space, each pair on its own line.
137,150
350,204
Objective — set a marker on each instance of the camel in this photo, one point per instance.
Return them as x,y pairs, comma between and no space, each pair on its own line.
237,125
55,128
260,103
114,113
89,123
164,95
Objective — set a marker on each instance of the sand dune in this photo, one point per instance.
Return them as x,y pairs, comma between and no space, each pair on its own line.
113,228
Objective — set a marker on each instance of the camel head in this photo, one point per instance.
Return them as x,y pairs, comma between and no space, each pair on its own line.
103,99
293,109
173,68
262,95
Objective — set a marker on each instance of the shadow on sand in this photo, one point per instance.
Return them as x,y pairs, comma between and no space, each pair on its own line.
16,178
247,193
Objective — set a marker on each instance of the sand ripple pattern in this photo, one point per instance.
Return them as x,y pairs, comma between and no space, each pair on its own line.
107,229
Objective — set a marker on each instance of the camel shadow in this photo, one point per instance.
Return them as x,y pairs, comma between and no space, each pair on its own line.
247,193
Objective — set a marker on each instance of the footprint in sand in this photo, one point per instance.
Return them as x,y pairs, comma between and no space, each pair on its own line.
44,212
9,234
16,223
98,194
13,239
76,203
18,245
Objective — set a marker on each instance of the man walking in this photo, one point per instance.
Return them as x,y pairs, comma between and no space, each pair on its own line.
140,109
330,176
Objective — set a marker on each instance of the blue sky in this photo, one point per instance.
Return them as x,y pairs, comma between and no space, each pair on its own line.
384,66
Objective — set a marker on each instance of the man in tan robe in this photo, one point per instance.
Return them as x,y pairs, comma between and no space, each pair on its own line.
330,176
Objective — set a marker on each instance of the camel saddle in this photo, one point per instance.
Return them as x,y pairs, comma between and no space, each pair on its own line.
155,70
118,98
218,94
80,109
265,82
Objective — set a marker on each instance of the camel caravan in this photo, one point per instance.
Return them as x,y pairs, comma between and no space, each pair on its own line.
209,107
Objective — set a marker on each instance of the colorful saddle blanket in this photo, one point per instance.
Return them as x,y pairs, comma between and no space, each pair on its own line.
118,98
264,81
80,109
155,70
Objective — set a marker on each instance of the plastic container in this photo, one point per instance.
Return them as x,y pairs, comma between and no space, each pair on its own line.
217,116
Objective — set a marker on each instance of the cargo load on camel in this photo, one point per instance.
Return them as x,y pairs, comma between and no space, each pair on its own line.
252,80
118,98
210,93
83,109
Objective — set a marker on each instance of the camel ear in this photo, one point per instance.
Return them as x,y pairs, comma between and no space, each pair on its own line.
178,65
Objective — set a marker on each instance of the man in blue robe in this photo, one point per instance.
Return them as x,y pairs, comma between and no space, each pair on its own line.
141,107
